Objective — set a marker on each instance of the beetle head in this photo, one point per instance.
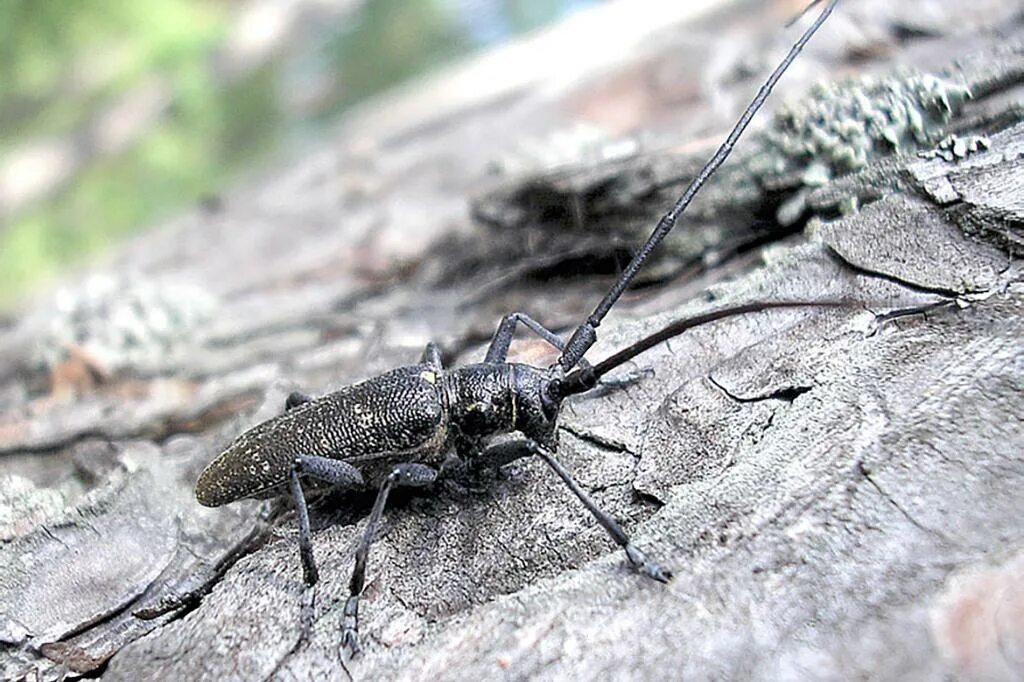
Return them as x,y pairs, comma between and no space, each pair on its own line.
537,403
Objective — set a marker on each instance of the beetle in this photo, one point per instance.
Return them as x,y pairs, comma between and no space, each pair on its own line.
397,429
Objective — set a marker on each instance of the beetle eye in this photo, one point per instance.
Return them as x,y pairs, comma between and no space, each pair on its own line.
551,398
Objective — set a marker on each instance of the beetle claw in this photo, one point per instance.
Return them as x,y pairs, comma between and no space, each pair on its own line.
350,642
307,613
645,566
350,627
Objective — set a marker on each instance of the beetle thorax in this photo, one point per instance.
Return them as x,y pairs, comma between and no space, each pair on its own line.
486,400
480,403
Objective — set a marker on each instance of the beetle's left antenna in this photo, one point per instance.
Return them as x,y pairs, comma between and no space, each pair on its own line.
586,377
586,334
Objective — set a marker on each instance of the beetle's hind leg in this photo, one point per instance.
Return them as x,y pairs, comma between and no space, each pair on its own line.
402,476
296,398
432,356
637,559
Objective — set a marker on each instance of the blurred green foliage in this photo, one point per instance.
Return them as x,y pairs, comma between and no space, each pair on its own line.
65,62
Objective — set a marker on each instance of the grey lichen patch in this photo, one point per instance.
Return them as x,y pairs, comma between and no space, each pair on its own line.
580,144
120,323
954,148
23,505
840,126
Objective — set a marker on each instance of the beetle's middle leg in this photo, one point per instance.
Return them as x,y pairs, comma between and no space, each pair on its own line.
339,474
410,475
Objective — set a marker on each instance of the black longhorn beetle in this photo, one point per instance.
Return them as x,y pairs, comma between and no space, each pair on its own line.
397,429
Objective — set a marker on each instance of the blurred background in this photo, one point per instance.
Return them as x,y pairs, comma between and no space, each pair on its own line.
116,114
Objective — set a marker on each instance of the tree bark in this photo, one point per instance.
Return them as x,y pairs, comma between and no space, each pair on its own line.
837,493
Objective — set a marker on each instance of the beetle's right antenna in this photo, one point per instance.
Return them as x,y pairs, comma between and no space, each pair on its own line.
586,334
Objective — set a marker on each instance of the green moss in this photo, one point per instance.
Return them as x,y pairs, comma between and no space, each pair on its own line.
64,64
396,40
179,161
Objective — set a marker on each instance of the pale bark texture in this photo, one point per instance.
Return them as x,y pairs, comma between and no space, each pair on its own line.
838,495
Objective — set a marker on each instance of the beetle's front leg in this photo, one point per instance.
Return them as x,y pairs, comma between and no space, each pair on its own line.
497,351
637,559
402,476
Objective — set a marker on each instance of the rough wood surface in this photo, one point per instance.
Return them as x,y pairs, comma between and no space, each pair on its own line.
837,494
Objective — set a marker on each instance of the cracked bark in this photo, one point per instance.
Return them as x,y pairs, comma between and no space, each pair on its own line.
837,497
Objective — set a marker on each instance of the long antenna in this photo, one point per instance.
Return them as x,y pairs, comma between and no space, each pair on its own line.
585,378
586,334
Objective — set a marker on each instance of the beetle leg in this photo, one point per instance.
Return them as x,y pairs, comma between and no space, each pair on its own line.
497,455
402,476
336,472
637,558
498,350
607,385
309,573
295,398
432,356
